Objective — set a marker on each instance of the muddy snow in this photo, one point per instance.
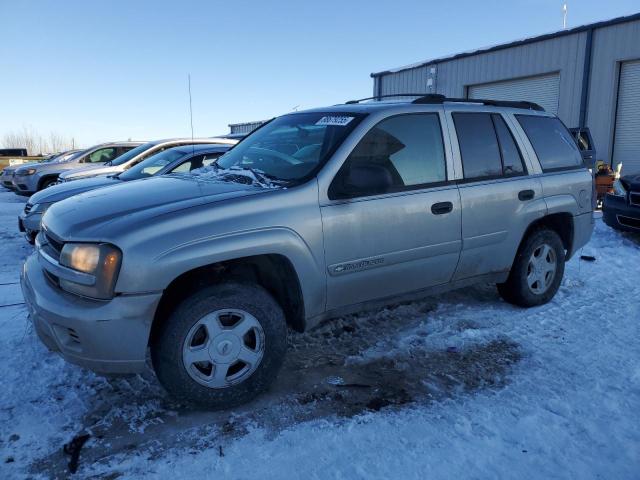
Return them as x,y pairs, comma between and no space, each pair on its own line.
456,386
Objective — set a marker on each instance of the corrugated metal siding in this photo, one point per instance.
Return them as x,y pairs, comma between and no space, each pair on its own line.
611,45
626,149
563,54
543,90
242,128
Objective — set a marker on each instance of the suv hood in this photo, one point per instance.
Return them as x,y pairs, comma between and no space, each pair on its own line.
90,171
55,193
127,204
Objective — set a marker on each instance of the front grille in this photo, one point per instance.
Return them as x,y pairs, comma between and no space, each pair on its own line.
51,277
629,221
634,198
27,208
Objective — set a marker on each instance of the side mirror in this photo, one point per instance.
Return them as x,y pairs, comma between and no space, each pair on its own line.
365,180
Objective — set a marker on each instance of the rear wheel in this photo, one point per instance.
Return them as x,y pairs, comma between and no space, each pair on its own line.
537,270
222,346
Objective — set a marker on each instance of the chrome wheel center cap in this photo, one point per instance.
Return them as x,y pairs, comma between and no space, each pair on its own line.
225,348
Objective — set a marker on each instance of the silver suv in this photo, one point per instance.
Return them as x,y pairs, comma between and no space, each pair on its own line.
315,215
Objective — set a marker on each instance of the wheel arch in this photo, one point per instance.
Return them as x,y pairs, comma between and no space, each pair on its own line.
559,222
274,272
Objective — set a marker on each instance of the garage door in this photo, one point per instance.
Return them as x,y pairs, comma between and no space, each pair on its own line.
626,143
543,90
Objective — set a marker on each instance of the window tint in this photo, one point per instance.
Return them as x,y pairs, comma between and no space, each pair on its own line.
511,158
555,147
408,147
478,145
102,155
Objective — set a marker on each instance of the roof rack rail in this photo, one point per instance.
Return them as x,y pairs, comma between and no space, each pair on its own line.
392,95
435,98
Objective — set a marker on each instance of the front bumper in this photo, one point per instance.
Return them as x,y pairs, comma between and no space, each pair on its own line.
7,181
29,223
103,336
25,184
618,214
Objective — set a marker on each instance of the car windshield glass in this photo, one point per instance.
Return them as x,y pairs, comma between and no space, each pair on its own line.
125,157
291,147
72,157
152,165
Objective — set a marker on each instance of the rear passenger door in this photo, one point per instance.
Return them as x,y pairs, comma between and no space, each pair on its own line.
403,237
499,199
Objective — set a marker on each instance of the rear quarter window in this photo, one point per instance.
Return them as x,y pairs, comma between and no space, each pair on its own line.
554,145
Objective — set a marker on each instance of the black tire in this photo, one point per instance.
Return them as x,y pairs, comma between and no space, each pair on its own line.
47,182
167,344
516,289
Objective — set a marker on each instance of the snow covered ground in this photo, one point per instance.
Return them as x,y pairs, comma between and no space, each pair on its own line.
459,386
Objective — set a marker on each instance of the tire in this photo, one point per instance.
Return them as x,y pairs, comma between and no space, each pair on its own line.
529,265
47,182
180,344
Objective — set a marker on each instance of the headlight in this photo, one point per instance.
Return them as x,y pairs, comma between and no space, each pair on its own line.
100,260
618,189
28,171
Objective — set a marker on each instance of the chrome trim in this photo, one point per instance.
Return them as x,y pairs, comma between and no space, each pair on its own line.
618,217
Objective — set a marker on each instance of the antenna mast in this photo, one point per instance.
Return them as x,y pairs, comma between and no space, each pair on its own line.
193,148
564,15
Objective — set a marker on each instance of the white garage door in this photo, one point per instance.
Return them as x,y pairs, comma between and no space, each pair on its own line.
543,90
626,146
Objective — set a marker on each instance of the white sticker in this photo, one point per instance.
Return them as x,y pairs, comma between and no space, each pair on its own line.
334,121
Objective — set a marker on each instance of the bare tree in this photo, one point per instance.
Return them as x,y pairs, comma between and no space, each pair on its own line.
36,143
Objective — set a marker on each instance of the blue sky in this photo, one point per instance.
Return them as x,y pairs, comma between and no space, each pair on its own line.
106,70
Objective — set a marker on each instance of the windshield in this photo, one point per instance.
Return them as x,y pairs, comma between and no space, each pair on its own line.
291,147
152,165
125,157
70,158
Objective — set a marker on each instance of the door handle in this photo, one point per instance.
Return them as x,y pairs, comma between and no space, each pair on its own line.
526,195
441,208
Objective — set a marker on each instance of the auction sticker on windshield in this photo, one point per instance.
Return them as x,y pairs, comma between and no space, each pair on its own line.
334,121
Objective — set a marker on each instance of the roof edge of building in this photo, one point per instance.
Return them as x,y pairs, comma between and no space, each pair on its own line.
515,43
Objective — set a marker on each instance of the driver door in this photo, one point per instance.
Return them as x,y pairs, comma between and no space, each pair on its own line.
398,238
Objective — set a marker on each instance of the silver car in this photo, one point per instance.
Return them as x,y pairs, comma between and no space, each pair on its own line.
7,175
137,155
181,159
317,214
30,179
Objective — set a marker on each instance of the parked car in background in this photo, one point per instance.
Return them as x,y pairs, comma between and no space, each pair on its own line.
136,156
31,179
181,159
621,208
7,176
13,152
314,215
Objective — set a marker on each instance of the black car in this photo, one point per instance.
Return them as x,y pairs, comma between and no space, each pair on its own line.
621,209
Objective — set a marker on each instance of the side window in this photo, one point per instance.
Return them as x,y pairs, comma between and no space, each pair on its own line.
400,153
123,150
554,146
478,145
102,155
511,158
191,164
209,158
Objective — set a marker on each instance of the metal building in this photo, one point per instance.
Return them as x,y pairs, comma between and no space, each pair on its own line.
588,75
244,128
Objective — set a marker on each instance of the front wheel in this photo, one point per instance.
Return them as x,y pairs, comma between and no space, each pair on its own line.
537,270
222,346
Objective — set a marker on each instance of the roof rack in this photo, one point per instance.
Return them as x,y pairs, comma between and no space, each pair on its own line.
434,99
